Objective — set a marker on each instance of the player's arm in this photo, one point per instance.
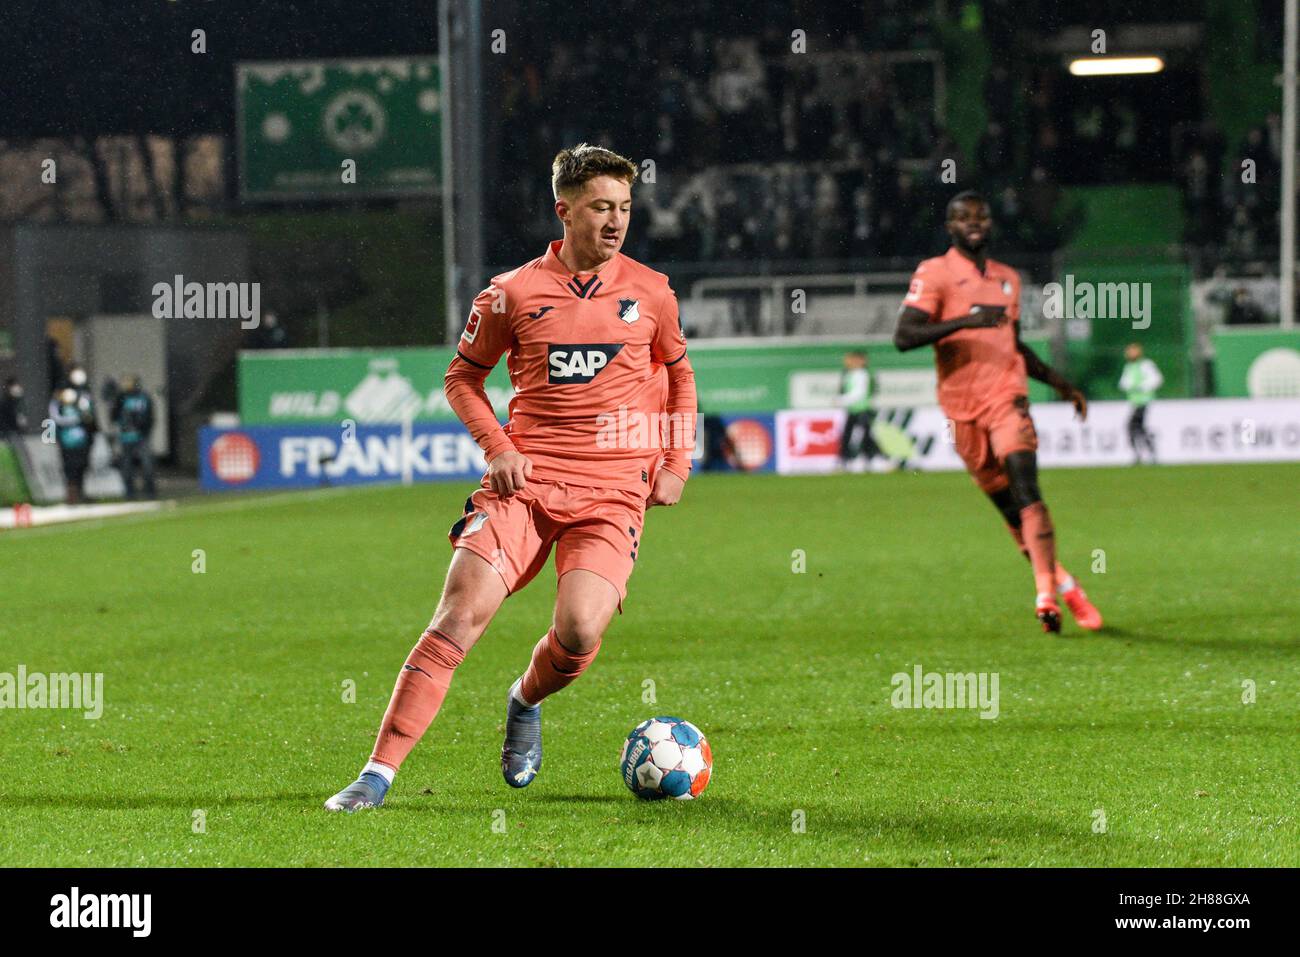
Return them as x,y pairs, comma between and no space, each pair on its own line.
924,301
486,338
1036,368
669,348
915,328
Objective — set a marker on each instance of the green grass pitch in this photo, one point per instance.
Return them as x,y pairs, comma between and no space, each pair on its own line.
225,690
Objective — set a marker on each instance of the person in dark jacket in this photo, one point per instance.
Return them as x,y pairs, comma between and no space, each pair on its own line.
73,430
133,417
13,420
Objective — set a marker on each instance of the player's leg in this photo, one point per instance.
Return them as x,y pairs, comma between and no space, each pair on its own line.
1014,445
1135,433
497,550
1036,531
1067,586
594,556
869,446
145,451
128,469
471,596
1148,440
584,605
846,440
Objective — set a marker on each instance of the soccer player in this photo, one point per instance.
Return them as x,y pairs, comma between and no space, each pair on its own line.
968,307
1140,380
602,424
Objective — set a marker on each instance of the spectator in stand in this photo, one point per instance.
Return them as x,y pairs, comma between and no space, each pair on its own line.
268,334
13,420
1242,239
1243,310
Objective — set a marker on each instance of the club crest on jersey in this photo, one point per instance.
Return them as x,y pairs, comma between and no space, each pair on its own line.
579,362
627,310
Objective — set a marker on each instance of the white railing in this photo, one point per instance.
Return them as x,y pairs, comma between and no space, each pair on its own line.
855,304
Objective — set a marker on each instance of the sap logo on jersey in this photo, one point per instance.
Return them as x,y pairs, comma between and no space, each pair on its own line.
580,362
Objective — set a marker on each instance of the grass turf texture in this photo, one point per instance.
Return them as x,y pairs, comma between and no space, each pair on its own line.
225,689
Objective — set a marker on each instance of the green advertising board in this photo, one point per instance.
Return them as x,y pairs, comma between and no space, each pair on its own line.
286,387
300,121
1166,332
1259,363
13,487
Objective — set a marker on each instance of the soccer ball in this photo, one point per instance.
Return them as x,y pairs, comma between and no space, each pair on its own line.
666,757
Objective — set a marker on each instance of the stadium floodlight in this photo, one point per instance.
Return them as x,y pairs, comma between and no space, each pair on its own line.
1115,65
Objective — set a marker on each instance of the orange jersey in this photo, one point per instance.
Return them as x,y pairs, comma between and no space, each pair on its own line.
587,359
976,367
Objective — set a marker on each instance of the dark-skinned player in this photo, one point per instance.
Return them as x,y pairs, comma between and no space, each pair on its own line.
967,306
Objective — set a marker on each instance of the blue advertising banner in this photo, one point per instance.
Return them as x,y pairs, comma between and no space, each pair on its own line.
312,456
735,443
275,456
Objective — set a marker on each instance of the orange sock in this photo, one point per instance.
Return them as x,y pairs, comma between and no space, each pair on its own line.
1040,542
421,687
1064,580
553,667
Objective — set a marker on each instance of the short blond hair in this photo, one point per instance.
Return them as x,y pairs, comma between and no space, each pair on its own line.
574,167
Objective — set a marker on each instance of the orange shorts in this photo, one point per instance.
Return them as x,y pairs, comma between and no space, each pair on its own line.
983,442
591,528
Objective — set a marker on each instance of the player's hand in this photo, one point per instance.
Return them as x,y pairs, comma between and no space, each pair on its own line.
984,318
509,472
667,490
1076,398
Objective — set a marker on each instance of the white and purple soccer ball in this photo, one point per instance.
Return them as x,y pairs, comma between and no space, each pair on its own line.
666,757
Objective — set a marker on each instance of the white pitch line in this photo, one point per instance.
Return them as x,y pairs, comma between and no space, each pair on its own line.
172,509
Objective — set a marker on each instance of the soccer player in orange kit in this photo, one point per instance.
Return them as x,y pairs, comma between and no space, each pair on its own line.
602,425
968,307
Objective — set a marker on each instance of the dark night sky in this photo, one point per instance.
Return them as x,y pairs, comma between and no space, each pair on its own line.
125,66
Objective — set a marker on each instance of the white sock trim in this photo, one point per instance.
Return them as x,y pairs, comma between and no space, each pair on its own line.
383,770
1066,584
516,692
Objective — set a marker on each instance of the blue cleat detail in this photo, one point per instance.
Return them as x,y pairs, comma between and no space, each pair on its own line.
521,755
366,791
